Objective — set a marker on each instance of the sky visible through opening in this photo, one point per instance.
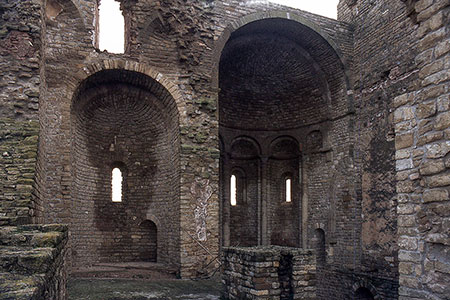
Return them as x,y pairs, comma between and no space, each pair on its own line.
112,22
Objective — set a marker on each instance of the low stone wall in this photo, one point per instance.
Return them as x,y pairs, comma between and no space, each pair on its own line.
32,262
268,273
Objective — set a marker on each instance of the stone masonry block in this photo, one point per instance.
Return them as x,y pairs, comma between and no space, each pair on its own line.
431,167
404,141
436,195
403,113
438,150
440,180
442,120
426,110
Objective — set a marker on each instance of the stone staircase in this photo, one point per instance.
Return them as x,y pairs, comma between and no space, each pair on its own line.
32,261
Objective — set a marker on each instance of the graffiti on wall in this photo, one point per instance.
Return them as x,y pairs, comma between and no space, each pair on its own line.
201,191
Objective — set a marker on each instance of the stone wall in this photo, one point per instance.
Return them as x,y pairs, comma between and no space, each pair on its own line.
401,87
268,273
18,152
364,100
33,262
20,45
422,121
383,68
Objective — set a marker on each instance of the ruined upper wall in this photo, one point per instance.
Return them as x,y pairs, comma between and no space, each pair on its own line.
20,44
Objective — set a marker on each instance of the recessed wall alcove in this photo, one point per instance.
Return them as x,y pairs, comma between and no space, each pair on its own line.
124,120
282,95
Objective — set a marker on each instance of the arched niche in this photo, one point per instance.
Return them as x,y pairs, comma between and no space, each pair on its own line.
127,117
284,147
240,221
279,75
147,244
284,211
244,148
319,245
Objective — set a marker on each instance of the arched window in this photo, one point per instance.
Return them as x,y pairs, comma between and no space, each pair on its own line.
233,190
288,189
116,185
111,27
237,187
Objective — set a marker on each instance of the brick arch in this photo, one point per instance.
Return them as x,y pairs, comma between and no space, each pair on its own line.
284,138
122,64
365,284
152,217
274,14
244,138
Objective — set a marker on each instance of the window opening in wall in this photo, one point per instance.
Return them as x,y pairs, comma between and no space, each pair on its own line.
111,33
116,184
233,190
288,189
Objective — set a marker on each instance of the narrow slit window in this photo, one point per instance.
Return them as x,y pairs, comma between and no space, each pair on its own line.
112,27
116,184
233,190
288,190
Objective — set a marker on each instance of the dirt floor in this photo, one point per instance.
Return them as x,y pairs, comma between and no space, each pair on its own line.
138,281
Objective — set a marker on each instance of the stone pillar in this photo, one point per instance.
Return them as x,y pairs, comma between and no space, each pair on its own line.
264,194
226,202
304,182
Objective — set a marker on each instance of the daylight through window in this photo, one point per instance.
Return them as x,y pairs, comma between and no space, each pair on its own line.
233,190
116,184
288,190
112,27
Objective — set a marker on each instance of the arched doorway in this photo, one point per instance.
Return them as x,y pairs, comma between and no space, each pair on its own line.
363,294
148,241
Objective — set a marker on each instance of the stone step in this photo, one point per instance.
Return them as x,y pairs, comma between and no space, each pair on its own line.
38,236
19,287
26,260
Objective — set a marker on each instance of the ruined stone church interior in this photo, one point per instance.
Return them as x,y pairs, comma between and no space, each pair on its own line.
279,153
